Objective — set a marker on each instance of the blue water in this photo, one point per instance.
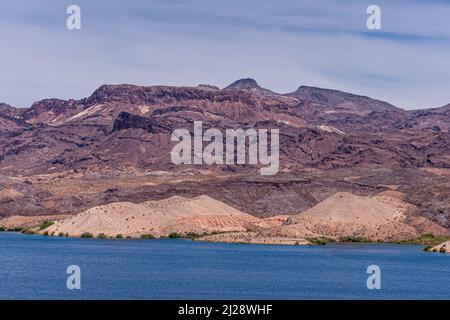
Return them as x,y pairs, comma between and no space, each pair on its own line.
34,267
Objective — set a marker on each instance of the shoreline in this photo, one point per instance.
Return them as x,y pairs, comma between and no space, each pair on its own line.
425,248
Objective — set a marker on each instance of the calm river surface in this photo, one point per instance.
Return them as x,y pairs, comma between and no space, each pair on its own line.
34,267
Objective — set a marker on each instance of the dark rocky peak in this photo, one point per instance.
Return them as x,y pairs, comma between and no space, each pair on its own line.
341,99
249,85
6,109
47,104
4,106
124,93
55,106
132,94
243,84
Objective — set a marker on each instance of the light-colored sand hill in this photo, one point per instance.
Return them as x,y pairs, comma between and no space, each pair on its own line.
158,218
381,217
443,247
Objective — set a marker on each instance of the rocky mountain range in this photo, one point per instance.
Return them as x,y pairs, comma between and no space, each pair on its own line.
66,156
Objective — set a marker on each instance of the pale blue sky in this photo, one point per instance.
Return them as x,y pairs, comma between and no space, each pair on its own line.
282,44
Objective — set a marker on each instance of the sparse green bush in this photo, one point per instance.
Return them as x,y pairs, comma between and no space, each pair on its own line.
45,224
28,231
15,229
119,236
174,235
86,235
192,235
427,239
101,236
353,239
428,235
320,240
147,236
60,234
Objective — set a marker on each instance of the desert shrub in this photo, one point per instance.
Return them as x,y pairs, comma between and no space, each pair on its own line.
427,239
193,235
45,224
101,236
119,236
86,235
320,240
174,235
2,229
28,231
15,229
60,234
45,233
147,236
353,239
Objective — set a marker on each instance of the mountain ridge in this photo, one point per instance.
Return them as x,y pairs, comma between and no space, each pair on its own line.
245,84
65,156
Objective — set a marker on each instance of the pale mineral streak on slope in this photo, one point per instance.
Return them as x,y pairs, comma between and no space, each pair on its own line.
330,129
91,110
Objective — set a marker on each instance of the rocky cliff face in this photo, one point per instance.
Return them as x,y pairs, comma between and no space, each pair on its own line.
125,130
321,128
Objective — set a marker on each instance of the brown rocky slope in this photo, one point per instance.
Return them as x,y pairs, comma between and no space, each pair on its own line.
65,157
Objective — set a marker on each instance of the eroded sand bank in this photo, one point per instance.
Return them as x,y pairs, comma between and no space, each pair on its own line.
383,217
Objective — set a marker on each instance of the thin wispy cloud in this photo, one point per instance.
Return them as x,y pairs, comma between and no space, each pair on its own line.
282,44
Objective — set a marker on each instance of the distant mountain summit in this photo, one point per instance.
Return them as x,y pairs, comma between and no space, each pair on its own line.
321,128
342,100
4,106
249,85
243,84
